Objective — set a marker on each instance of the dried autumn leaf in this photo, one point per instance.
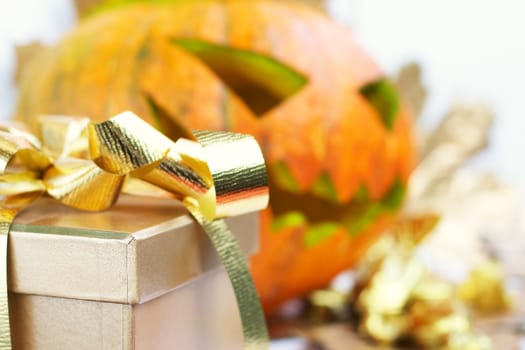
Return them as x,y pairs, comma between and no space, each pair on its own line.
411,87
24,55
465,126
461,134
412,230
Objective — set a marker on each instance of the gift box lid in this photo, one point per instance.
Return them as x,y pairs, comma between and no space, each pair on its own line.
137,250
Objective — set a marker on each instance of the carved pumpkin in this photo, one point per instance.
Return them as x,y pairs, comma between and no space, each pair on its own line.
336,139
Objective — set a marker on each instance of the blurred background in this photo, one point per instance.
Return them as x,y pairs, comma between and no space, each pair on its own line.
470,51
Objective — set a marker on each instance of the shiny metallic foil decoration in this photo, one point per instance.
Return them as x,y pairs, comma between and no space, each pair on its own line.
396,299
484,290
86,166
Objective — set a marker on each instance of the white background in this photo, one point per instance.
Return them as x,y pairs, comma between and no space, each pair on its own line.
471,50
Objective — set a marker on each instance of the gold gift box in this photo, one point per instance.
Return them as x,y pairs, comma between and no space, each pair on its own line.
141,275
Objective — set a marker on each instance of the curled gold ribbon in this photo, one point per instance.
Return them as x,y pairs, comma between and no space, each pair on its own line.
215,175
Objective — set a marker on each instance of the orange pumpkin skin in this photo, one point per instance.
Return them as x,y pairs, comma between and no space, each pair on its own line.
123,59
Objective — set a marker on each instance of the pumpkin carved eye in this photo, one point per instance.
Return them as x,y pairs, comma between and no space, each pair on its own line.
381,94
262,82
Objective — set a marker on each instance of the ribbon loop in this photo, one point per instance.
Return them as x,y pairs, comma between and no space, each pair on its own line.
237,166
16,147
125,143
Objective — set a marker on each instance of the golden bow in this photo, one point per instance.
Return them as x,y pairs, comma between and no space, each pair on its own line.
87,165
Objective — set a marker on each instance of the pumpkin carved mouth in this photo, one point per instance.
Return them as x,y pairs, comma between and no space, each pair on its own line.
324,217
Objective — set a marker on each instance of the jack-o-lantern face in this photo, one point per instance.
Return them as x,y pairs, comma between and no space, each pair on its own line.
336,140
